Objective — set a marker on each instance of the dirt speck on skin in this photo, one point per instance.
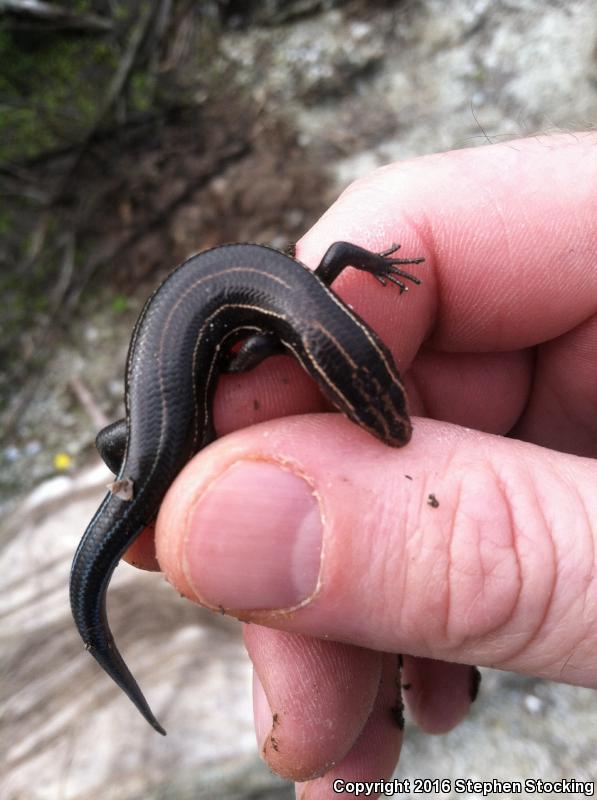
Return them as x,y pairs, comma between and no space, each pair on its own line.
432,501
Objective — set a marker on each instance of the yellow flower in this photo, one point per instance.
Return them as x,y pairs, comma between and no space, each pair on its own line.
62,461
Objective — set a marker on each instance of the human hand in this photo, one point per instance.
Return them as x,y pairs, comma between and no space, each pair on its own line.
310,526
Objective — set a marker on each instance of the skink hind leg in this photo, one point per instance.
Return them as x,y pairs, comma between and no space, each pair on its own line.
252,352
111,444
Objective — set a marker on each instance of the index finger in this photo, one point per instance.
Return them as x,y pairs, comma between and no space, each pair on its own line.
510,236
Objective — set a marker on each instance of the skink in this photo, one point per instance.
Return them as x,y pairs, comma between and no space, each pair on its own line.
181,343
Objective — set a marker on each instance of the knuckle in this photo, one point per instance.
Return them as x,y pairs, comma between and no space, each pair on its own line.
485,566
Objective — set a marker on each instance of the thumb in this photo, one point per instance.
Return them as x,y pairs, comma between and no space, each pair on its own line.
461,546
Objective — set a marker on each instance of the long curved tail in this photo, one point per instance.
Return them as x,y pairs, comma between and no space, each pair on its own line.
95,560
109,658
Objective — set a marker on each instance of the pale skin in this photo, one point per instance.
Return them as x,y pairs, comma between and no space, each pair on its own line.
500,338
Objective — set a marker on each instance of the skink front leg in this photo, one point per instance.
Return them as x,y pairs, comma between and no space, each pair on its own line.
343,254
337,257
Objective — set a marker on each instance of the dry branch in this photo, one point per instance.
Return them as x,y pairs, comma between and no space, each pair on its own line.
58,16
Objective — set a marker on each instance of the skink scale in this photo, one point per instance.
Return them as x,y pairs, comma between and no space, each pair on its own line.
180,345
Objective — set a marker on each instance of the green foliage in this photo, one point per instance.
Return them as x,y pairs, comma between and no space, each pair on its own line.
141,92
25,291
6,221
50,88
120,303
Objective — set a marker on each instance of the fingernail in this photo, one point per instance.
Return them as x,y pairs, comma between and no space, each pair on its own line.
254,539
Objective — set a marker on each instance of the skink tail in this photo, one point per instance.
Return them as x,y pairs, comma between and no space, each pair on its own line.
95,560
112,662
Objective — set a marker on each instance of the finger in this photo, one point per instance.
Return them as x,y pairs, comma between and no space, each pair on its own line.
510,232
463,547
277,387
484,280
452,205
316,708
560,412
487,392
375,753
510,235
438,694
319,695
141,553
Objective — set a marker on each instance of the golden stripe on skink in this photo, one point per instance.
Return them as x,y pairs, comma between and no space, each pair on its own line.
323,374
317,326
326,377
367,333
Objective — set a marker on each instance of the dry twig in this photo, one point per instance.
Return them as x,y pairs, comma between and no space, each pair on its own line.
57,16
